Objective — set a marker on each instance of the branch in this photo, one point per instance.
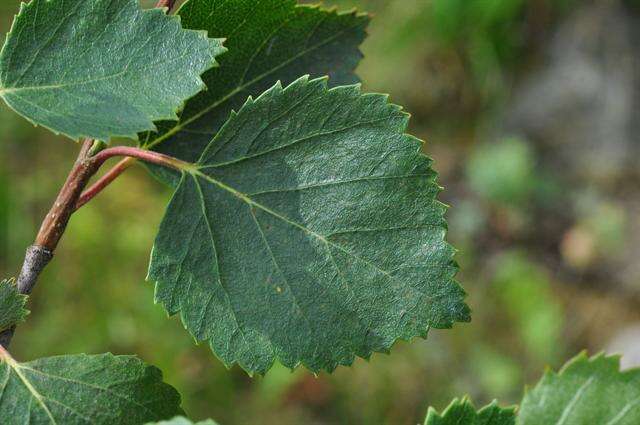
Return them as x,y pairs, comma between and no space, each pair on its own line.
40,254
55,223
71,197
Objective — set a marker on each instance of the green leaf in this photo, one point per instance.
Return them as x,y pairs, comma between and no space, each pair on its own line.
309,231
268,40
101,68
586,391
12,304
463,412
180,420
81,389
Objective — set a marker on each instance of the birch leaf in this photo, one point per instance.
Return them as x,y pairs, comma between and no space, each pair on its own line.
308,232
585,391
83,389
101,68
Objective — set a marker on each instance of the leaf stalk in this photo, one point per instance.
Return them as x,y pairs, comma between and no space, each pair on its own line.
104,181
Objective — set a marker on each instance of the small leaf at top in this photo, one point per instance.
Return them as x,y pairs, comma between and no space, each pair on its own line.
101,68
268,40
308,232
463,412
180,420
82,389
12,304
585,391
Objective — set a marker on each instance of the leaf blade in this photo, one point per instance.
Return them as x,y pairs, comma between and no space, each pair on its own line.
585,390
79,389
12,305
323,291
104,71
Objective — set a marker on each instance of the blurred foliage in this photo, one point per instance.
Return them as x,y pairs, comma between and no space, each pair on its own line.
537,248
510,179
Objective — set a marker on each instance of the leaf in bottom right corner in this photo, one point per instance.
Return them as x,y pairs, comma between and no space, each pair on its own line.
585,391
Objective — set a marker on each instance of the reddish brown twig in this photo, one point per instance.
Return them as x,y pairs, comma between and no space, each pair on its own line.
41,252
104,181
142,154
71,195
85,167
56,220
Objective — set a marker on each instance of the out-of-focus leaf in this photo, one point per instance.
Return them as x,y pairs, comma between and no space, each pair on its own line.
525,292
502,172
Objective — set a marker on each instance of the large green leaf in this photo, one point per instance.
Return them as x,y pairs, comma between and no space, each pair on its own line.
585,391
463,412
101,68
12,304
82,389
309,231
268,40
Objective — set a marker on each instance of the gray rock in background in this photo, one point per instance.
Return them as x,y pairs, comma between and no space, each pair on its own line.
581,110
582,105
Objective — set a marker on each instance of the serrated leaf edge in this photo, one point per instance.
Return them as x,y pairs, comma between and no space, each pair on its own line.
461,316
456,402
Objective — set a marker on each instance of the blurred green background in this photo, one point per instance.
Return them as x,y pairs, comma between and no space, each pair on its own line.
530,111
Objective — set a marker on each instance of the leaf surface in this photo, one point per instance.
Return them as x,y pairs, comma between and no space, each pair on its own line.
12,305
463,412
83,389
101,68
309,232
585,391
268,40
